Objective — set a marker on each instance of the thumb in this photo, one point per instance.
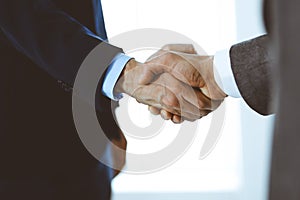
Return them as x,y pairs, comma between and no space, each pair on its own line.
151,71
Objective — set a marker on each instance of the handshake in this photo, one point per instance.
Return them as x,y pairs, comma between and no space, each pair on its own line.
175,82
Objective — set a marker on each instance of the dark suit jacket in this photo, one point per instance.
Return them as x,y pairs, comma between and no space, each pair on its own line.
267,73
42,45
252,68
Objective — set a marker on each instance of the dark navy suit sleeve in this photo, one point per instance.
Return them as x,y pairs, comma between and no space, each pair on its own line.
52,39
57,43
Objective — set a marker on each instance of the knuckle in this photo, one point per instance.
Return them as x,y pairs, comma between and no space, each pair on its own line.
170,101
192,48
174,55
201,104
166,47
169,56
203,101
196,77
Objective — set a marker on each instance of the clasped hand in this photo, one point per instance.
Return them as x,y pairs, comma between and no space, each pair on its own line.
175,82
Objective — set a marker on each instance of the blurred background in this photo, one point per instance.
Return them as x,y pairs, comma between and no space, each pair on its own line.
238,167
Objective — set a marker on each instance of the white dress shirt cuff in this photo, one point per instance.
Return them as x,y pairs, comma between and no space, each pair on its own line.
224,75
112,75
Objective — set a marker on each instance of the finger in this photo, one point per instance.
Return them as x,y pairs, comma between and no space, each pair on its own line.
150,95
151,71
184,111
177,119
153,110
203,113
207,103
177,65
157,54
167,93
181,107
201,101
173,99
153,95
166,115
184,48
168,111
194,99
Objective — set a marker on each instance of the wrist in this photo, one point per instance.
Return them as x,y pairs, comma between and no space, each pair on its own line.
212,89
123,83
223,73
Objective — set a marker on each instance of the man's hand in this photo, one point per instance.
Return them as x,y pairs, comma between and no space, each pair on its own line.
183,63
165,91
118,151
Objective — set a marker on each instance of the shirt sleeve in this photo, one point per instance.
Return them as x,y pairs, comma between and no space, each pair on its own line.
112,75
224,75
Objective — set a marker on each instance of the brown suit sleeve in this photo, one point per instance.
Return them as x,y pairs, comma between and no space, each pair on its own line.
252,69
